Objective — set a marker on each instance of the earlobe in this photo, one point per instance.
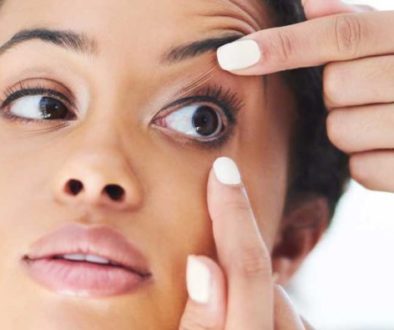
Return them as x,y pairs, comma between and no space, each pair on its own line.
302,227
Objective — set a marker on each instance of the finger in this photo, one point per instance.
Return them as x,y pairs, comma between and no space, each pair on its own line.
362,129
286,317
367,168
205,308
319,8
364,81
311,43
241,250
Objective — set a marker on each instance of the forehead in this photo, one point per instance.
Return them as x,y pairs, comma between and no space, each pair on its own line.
160,19
132,35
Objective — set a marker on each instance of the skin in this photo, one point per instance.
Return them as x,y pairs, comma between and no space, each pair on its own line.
356,52
168,209
358,94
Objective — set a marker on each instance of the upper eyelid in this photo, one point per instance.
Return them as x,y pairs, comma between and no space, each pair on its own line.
195,99
219,96
38,91
225,99
200,96
46,85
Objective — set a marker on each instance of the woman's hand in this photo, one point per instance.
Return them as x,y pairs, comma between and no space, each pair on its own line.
239,292
357,48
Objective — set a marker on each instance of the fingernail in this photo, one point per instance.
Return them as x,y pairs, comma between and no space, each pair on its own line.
239,54
198,279
226,171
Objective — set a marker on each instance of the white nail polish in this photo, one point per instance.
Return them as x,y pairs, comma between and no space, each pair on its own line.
226,171
198,279
239,54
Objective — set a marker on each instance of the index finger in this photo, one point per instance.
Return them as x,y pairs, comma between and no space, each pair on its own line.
241,250
311,43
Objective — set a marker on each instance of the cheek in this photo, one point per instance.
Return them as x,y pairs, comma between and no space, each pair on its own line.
180,222
172,223
266,132
177,224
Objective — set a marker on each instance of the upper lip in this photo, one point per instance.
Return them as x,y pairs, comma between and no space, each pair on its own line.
102,241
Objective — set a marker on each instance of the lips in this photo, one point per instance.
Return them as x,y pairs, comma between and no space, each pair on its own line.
86,260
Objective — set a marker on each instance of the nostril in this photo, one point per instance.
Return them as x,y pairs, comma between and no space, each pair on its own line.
115,192
74,186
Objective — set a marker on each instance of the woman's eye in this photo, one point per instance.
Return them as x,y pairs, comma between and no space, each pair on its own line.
39,107
195,120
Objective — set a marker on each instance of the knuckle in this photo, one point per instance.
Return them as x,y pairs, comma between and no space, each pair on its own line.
238,206
284,46
348,33
235,208
253,261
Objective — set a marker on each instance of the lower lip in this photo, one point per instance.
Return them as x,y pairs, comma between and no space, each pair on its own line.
82,278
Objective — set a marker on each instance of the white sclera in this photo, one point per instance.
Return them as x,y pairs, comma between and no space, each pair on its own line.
182,121
27,107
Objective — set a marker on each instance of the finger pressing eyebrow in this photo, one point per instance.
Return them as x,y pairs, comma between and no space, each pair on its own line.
316,42
197,48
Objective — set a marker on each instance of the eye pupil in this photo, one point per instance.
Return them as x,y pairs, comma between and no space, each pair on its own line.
52,108
206,121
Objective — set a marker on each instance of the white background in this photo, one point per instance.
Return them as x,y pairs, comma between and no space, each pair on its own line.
348,281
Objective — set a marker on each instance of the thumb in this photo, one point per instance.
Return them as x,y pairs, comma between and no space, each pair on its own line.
205,308
320,8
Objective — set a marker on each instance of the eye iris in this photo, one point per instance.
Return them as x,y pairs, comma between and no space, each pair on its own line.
205,120
52,108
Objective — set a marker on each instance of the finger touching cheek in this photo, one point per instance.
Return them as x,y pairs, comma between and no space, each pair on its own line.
241,249
367,168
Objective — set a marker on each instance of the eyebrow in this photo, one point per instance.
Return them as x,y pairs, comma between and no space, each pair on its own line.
77,42
197,48
80,43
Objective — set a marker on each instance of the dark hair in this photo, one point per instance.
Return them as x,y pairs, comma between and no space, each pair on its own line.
318,168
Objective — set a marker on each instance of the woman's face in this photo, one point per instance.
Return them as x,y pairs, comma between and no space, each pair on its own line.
117,124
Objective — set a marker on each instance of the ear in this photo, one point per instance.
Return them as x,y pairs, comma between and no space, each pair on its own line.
301,228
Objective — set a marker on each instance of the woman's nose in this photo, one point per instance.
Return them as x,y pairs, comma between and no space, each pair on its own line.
98,182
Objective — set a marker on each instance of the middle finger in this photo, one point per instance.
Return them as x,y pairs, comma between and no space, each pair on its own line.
360,129
357,82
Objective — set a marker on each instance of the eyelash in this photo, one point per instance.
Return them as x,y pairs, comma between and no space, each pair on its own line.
12,94
228,102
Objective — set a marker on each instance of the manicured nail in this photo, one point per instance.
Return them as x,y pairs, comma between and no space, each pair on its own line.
198,279
239,54
226,171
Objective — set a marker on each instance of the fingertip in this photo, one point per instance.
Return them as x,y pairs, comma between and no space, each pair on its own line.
224,183
226,171
239,55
